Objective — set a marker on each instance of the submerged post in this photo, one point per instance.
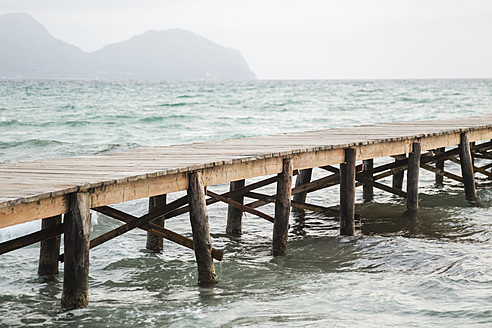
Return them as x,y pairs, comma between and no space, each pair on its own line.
347,193
201,234
303,177
467,170
367,188
49,249
156,243
397,182
77,228
440,165
282,208
234,215
413,178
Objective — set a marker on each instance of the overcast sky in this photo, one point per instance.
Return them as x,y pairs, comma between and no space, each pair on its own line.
303,39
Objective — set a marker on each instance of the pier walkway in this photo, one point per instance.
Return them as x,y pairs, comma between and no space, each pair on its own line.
46,190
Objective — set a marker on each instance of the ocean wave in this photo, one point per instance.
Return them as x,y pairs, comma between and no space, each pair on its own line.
30,143
162,118
178,104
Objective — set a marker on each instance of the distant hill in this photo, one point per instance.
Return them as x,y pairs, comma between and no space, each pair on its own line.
28,50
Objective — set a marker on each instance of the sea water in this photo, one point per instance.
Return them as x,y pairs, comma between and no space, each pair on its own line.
434,270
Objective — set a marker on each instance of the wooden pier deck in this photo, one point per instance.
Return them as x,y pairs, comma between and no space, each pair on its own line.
48,189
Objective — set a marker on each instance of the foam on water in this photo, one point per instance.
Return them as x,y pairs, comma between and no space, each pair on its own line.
433,269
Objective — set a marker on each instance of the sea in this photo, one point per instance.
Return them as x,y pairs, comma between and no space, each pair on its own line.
433,270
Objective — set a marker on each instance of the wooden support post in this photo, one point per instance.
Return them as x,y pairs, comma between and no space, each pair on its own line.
303,178
467,170
440,166
234,214
282,208
156,243
368,188
77,228
347,193
413,178
397,182
49,249
201,233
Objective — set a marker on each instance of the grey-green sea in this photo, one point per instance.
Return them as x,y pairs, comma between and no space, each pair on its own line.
434,270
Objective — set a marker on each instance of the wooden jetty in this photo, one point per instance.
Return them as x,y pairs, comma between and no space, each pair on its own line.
70,188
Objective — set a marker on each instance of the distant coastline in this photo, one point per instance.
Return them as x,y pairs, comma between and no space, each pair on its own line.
29,51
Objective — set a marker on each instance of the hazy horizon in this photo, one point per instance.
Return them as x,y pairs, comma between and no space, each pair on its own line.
382,39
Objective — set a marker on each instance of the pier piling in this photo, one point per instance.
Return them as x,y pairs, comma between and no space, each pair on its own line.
282,208
234,214
413,178
466,163
49,249
201,233
397,182
302,178
347,193
368,188
156,243
440,166
77,228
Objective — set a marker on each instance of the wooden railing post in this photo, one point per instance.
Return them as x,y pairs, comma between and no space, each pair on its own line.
77,228
235,215
347,193
368,188
282,208
467,170
413,177
156,243
49,249
201,234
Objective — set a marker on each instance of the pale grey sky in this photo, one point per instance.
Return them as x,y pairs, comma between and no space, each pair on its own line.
308,39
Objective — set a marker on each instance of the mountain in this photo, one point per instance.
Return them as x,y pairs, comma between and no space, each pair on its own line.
28,50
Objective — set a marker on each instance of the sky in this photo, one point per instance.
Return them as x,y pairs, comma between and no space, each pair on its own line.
304,39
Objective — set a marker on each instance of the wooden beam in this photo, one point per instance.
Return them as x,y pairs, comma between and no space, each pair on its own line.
282,208
441,172
201,234
302,206
239,206
368,188
413,178
32,238
234,193
77,229
155,229
467,170
156,243
49,249
347,193
234,214
139,222
476,169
